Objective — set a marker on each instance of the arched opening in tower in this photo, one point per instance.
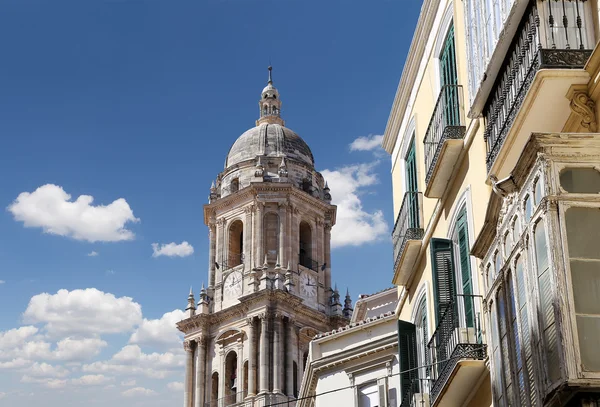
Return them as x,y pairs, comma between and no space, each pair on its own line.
245,378
235,185
271,228
295,373
214,394
305,236
231,379
236,243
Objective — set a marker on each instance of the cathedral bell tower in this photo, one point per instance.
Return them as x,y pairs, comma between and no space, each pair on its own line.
269,271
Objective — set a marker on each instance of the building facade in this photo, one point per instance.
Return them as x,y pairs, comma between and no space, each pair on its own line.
269,274
495,169
356,365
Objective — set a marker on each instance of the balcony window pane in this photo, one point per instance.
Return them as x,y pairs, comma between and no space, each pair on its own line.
507,244
497,357
498,263
525,332
585,275
538,191
528,210
557,36
580,180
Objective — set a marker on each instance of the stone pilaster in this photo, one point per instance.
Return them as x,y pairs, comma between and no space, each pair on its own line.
327,271
251,357
212,246
188,391
290,342
200,371
248,230
282,234
264,353
277,354
260,251
220,246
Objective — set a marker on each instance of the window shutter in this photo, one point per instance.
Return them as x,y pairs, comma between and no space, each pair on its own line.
382,386
465,267
443,275
407,350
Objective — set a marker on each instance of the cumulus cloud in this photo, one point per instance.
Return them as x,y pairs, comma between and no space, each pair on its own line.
49,207
355,226
46,370
92,253
16,336
138,391
46,382
131,360
175,386
88,311
128,383
172,249
15,363
90,380
160,333
367,143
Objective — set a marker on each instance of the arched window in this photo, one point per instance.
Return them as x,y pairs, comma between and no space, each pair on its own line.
214,394
305,238
231,379
271,233
235,185
236,243
422,341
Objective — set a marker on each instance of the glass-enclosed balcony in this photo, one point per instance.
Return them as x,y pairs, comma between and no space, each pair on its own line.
407,236
552,35
444,139
457,351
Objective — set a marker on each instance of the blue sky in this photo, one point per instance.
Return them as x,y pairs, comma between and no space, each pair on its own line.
136,103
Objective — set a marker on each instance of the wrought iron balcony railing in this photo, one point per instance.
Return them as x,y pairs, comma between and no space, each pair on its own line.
409,224
228,401
307,262
447,122
416,394
457,336
550,36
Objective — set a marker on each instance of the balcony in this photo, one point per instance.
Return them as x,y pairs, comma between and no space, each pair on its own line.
231,400
457,351
545,58
307,262
407,236
444,139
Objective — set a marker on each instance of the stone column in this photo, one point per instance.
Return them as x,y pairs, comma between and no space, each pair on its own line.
282,235
200,371
289,371
327,244
248,264
212,238
260,251
251,357
295,240
220,246
239,390
290,235
188,391
277,354
264,353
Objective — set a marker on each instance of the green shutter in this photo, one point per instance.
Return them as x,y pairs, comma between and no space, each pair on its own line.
449,77
407,353
465,267
412,186
443,275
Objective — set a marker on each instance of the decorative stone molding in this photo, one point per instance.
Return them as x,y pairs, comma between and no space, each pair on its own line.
187,346
583,106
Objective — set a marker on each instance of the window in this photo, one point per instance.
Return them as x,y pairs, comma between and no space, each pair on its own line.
544,280
580,180
412,186
368,396
271,236
236,244
504,345
443,277
584,260
235,185
526,378
528,209
465,269
537,191
497,386
407,355
422,333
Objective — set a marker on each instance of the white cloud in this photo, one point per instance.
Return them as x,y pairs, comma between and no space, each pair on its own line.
49,207
175,386
128,383
368,143
172,249
2,281
46,370
16,336
46,382
138,391
88,311
78,349
354,225
15,363
131,360
161,332
93,253
91,380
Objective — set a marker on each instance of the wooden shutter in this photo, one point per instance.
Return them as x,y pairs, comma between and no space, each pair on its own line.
465,267
443,275
407,352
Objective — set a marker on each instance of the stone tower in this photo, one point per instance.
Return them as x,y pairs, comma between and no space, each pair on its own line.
269,272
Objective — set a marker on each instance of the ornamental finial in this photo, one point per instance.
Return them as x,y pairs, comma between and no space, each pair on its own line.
270,77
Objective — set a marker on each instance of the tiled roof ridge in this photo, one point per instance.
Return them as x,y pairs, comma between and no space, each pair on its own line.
354,324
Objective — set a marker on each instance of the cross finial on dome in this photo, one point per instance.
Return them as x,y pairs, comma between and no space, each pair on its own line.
270,104
270,78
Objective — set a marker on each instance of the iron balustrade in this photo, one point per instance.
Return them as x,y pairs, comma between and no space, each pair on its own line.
307,262
457,336
540,43
447,122
417,386
228,401
409,225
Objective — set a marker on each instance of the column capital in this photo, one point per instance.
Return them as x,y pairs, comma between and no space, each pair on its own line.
202,340
187,346
249,209
221,221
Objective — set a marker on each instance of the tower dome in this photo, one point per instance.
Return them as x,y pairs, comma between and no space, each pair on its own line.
270,137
